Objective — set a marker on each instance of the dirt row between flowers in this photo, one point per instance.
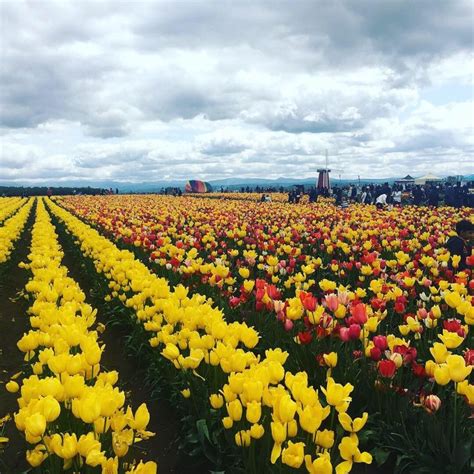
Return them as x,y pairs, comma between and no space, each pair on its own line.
13,323
164,421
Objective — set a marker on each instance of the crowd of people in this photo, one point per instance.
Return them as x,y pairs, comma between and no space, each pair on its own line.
456,195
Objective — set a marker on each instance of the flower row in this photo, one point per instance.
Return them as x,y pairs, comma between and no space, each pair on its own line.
70,410
11,230
8,206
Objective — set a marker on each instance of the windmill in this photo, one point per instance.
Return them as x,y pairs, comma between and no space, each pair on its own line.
323,177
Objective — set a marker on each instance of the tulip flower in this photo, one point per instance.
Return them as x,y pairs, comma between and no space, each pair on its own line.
321,465
216,400
441,374
352,425
330,359
36,456
325,439
253,412
35,424
349,451
234,409
141,418
457,368
12,386
387,368
439,352
257,431
450,339
431,403
293,454
337,395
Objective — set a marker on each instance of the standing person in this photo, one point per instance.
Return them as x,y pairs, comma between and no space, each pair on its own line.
338,195
417,195
354,193
363,195
461,244
433,196
397,196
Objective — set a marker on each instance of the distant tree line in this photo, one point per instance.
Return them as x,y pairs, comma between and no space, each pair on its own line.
48,191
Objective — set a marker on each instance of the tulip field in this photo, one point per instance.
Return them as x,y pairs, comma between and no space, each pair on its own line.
283,337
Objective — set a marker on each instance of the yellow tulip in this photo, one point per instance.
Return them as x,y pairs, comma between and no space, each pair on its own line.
451,339
278,431
36,456
249,285
321,465
253,412
244,272
242,438
89,408
441,374
216,400
186,393
311,417
252,390
257,431
12,386
336,394
141,418
50,408
35,424
228,422
325,439
350,425
466,389
149,467
286,409
293,454
457,368
170,351
234,409
330,359
452,298
87,443
439,352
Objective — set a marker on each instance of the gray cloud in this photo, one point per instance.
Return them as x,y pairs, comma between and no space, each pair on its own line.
222,88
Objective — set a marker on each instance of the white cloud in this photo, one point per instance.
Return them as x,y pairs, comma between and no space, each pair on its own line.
249,89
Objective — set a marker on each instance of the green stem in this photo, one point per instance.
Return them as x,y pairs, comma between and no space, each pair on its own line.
455,417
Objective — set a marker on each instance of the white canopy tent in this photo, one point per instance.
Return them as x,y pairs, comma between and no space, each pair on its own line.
427,179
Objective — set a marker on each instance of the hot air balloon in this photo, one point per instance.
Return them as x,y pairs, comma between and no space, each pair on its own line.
196,186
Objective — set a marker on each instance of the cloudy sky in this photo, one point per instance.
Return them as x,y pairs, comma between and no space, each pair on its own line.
151,90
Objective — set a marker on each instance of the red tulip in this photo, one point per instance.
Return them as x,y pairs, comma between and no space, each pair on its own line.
454,325
469,356
387,368
234,301
305,337
288,324
359,313
354,331
310,302
418,369
375,353
344,334
380,342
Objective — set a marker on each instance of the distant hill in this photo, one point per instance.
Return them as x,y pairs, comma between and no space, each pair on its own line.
226,183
